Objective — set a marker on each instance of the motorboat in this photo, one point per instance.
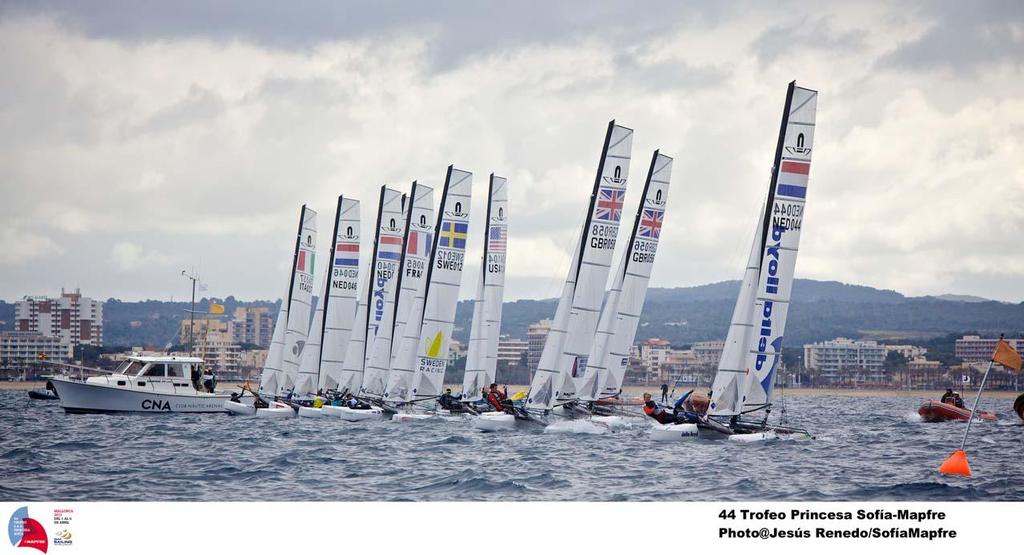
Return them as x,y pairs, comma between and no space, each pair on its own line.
149,384
937,411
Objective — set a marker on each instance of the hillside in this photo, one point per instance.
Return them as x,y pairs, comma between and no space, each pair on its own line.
820,310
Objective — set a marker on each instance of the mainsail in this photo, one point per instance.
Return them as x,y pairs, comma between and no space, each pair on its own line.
342,293
568,343
482,358
300,300
606,364
309,364
420,210
385,255
746,379
418,371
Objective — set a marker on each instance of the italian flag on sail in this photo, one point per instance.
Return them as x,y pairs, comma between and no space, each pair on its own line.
305,262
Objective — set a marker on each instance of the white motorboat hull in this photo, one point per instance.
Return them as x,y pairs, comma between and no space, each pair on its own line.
673,432
495,422
359,415
310,412
83,397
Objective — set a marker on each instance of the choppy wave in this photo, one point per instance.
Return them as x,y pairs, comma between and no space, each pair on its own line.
866,449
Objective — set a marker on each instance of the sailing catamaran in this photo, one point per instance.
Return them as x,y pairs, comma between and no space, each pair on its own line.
482,358
280,372
746,374
609,355
387,248
568,343
417,374
410,281
332,322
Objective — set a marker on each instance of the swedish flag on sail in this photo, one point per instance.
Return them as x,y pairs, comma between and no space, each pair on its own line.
453,234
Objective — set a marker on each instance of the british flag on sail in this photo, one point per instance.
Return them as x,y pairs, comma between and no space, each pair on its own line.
650,223
609,204
419,243
793,178
497,238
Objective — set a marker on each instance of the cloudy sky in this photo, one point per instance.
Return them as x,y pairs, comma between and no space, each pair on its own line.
143,137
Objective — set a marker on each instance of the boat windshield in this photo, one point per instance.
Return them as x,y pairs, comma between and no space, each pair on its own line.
129,367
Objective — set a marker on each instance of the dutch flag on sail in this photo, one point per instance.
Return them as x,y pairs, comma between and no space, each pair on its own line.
346,254
389,247
793,178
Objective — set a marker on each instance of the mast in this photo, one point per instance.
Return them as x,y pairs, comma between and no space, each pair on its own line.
339,316
327,279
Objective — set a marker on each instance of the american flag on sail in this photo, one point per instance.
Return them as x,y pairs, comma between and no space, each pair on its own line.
419,243
497,238
609,204
346,254
650,223
793,178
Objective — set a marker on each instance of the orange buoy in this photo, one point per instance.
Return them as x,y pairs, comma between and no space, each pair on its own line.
956,464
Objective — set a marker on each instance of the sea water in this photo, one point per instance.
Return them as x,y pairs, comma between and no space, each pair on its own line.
866,448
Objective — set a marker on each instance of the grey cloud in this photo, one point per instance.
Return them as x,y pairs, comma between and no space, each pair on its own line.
963,35
199,105
809,33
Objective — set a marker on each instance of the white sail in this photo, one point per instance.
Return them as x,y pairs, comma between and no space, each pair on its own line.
482,357
746,376
272,375
378,362
727,390
412,279
418,371
342,294
309,364
784,218
372,299
606,364
568,343
300,301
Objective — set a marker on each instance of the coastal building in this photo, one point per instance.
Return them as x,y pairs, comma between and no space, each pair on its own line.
23,350
75,319
510,351
974,348
213,341
536,336
253,325
845,360
708,353
909,351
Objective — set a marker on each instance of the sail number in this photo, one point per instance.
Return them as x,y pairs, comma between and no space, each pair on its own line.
787,215
603,236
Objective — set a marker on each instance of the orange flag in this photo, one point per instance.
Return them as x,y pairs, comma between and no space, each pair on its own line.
1006,356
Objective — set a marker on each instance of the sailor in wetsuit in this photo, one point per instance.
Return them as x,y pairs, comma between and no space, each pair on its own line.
450,402
663,416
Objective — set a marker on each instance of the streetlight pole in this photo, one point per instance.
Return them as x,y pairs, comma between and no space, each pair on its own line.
192,313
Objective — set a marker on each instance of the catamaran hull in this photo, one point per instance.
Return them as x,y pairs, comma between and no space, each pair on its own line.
241,409
411,417
674,432
358,415
495,422
275,411
311,412
82,397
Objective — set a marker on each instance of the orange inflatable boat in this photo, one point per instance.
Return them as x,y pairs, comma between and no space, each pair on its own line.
935,411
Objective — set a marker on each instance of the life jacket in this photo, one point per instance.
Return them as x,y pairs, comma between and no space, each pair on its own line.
494,398
654,410
317,402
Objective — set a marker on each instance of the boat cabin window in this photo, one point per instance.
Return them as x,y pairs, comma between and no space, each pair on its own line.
155,371
130,367
175,371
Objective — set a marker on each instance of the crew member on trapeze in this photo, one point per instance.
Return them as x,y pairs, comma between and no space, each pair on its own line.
679,415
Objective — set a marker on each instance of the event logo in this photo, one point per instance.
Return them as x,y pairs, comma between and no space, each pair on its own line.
26,532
